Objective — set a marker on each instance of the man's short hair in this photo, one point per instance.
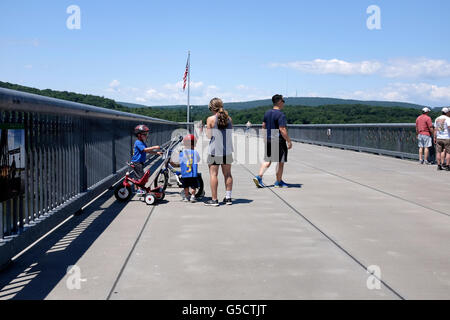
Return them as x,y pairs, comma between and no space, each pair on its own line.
277,98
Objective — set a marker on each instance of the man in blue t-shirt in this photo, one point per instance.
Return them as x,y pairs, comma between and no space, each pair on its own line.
277,142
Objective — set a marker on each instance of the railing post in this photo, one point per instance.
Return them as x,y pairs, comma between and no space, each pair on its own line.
82,145
1,219
359,138
379,139
113,151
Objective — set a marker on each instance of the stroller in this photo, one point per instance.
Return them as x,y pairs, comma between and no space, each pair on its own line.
168,173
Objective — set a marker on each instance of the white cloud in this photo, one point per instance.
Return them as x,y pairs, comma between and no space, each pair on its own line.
156,95
114,84
171,93
408,92
394,68
179,85
427,68
28,66
333,66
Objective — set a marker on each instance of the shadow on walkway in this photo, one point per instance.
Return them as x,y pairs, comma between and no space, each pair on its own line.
290,185
235,201
34,275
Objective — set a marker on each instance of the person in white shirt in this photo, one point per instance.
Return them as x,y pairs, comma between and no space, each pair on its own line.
442,139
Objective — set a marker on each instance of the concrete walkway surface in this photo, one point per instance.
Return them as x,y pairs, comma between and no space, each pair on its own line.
345,212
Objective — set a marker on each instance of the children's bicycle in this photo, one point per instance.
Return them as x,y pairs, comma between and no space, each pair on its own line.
124,191
168,173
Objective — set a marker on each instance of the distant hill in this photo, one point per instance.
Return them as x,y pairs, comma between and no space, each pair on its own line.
293,101
297,110
65,95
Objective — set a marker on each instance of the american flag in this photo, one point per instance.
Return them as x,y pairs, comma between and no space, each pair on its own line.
185,74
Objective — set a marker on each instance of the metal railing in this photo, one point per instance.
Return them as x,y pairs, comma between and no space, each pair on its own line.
73,152
397,139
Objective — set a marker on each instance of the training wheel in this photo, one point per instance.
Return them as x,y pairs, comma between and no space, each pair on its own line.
150,199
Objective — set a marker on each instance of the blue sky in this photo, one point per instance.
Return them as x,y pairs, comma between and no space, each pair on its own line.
136,51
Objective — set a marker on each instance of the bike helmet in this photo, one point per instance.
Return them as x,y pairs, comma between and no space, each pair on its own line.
189,140
142,128
189,137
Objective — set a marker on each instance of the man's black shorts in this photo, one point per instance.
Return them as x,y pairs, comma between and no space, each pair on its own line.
217,160
282,152
190,183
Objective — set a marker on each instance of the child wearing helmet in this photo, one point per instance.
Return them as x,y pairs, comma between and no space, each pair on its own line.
189,159
140,152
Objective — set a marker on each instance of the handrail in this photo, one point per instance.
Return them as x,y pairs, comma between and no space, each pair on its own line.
391,139
13,100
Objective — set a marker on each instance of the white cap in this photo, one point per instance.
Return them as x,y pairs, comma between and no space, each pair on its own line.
426,109
445,110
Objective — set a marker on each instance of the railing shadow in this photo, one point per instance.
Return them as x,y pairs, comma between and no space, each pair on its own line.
36,273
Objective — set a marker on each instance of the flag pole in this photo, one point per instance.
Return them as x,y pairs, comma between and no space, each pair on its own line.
189,86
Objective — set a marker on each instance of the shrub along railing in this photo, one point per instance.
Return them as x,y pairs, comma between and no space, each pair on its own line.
65,154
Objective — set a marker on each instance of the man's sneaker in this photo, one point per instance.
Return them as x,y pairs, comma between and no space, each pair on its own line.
439,167
227,201
186,199
427,162
284,184
214,203
420,161
446,168
280,184
193,200
258,182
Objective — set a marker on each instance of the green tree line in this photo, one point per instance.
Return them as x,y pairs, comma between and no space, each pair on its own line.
328,114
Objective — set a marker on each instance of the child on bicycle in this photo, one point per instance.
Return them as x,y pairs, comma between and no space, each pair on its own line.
189,159
140,152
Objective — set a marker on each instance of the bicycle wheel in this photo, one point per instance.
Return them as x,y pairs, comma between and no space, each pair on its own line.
122,193
162,180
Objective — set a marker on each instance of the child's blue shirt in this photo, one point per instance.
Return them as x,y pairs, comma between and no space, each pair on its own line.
139,153
189,160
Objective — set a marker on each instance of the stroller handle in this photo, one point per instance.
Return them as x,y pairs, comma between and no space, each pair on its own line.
174,142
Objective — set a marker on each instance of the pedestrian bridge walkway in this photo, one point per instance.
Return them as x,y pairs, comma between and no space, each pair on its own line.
346,213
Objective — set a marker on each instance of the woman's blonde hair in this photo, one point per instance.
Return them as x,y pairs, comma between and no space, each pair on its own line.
216,105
